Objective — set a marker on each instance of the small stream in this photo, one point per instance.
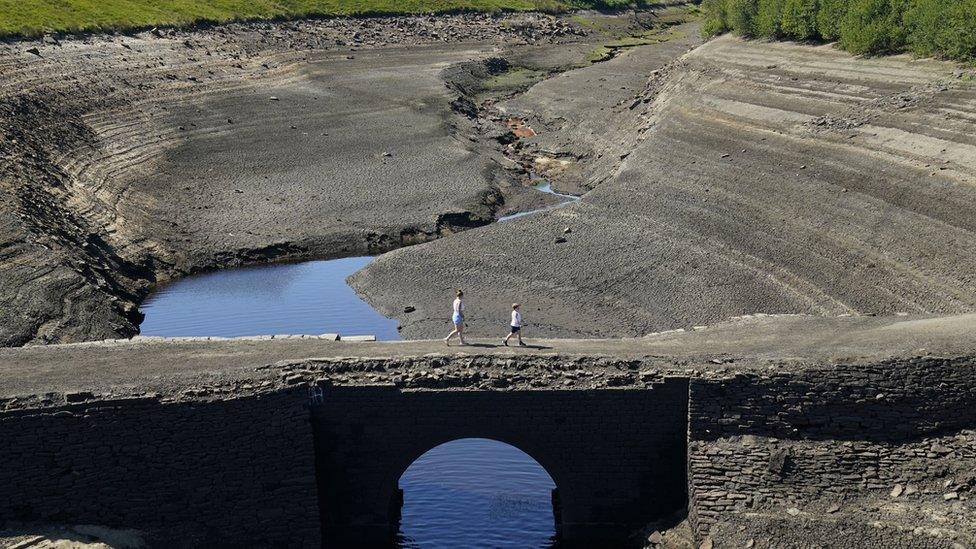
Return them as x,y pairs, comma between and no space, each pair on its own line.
544,187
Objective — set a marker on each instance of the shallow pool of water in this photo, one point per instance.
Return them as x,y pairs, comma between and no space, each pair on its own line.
301,298
476,493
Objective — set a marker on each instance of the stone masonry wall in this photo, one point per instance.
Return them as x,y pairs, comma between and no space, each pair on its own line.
795,439
238,472
617,456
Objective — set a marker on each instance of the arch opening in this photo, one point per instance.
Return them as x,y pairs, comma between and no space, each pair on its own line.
476,492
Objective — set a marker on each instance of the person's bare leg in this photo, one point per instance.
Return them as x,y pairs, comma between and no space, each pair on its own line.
447,339
460,332
508,337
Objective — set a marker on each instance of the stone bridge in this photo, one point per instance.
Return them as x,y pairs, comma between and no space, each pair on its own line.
229,443
618,457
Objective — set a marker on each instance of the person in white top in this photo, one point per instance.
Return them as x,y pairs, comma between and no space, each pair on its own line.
458,319
516,326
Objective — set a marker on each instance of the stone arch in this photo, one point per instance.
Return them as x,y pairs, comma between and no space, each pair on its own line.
617,457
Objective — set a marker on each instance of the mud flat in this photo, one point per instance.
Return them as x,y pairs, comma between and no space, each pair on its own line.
736,178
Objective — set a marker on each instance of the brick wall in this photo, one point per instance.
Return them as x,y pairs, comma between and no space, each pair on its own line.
235,472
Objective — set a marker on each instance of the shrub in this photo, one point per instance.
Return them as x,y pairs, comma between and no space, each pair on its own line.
768,20
874,26
742,17
958,38
924,21
945,28
830,14
799,19
716,19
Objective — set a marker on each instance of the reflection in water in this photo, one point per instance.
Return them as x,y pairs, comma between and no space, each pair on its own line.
301,298
476,493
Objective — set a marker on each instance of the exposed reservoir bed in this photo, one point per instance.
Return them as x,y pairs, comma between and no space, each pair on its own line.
311,297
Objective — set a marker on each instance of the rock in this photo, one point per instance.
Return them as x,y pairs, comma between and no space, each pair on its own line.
387,154
560,240
655,538
567,230
359,338
409,309
273,98
80,396
950,496
726,155
910,490
751,543
897,490
34,51
833,509
706,543
792,511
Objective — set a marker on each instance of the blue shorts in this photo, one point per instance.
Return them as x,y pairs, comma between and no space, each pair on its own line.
516,329
458,319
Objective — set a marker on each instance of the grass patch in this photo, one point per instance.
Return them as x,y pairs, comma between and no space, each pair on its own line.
34,17
940,28
654,36
511,81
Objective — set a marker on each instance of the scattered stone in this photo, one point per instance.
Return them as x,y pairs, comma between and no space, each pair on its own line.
656,538
833,509
897,490
409,309
359,338
273,98
792,511
567,230
560,240
80,396
387,154
706,543
751,543
950,496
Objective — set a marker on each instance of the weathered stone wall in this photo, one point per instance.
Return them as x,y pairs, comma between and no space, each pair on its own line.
617,456
247,462
808,437
236,472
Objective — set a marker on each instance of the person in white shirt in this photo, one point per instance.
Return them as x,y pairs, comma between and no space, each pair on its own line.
458,319
516,325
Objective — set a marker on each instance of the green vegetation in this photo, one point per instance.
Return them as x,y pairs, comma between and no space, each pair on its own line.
33,17
512,81
942,28
653,36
